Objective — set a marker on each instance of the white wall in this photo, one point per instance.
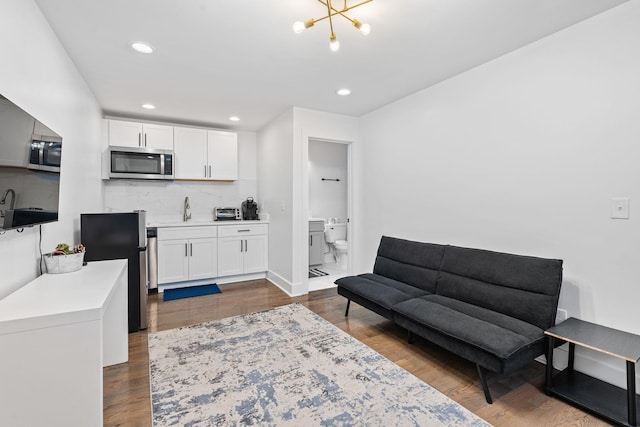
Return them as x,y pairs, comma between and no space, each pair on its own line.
316,125
275,175
523,155
328,199
37,75
164,201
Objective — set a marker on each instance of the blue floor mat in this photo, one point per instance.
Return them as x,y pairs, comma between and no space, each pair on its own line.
191,291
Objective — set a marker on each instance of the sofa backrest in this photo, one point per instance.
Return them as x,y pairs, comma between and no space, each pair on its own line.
523,287
413,263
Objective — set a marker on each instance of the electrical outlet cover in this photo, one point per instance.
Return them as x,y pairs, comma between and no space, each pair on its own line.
620,208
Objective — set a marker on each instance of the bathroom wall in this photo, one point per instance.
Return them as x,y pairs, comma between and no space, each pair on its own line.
328,199
164,201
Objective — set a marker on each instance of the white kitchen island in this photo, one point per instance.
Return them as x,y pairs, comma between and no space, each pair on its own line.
56,334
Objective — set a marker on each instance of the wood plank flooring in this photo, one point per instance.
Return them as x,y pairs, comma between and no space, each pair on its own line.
518,398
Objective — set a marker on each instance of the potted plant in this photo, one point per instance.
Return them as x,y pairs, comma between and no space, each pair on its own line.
64,259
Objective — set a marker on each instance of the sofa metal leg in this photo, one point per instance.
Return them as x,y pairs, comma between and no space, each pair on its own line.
485,386
346,313
410,337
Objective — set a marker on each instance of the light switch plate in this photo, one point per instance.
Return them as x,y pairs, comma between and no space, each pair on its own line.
620,208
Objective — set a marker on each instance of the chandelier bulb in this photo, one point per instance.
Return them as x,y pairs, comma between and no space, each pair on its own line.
334,44
298,27
365,29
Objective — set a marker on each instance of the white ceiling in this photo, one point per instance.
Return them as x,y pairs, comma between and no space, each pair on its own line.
218,58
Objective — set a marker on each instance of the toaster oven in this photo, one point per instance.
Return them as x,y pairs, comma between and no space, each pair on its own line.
226,214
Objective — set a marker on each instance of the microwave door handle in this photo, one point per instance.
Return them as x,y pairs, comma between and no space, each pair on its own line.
161,163
41,154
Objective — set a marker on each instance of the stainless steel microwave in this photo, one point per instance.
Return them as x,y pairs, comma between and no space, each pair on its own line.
140,163
45,153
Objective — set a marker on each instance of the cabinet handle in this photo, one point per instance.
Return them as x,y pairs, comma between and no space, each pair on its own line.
205,171
139,139
311,240
191,248
241,246
209,171
185,250
246,246
145,139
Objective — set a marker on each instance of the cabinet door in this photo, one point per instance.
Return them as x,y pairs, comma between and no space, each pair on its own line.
255,254
316,251
173,262
125,134
203,258
223,155
157,136
17,127
230,255
190,146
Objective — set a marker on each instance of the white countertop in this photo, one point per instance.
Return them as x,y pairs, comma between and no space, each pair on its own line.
197,223
59,299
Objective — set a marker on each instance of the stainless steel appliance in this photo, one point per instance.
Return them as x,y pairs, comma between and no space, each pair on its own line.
45,153
226,214
121,236
140,163
249,209
152,259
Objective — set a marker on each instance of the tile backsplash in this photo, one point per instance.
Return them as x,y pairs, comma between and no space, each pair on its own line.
164,201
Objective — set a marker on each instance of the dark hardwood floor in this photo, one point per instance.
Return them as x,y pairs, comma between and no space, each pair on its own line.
518,398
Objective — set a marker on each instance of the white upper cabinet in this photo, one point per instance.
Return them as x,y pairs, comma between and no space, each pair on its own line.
206,155
135,134
190,153
222,155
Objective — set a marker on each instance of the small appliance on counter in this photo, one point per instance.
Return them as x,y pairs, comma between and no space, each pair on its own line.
249,209
226,214
121,236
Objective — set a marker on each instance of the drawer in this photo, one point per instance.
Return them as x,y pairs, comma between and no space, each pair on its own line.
316,226
175,233
242,230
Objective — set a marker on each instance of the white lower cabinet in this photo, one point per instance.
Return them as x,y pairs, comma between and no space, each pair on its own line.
242,249
187,253
204,252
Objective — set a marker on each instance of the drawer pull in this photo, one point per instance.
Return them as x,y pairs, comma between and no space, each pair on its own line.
243,231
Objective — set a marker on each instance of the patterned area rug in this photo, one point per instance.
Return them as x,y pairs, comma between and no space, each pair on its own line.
286,367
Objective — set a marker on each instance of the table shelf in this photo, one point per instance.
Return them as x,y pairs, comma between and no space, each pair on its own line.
592,394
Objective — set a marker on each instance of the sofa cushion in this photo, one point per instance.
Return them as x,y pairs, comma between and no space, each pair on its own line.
493,332
414,263
380,290
523,287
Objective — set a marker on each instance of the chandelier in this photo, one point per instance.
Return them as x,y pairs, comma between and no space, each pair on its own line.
332,11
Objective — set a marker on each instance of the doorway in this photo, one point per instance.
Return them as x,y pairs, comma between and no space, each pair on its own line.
329,184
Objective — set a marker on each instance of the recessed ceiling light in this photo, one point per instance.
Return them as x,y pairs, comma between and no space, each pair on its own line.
141,47
234,118
343,92
149,106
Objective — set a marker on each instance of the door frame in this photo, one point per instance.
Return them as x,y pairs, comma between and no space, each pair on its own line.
305,204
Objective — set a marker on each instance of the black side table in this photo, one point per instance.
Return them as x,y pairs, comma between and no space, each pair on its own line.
585,391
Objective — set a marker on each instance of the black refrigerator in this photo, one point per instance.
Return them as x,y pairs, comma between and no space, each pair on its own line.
109,236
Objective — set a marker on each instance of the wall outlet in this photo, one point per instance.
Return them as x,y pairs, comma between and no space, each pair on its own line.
561,315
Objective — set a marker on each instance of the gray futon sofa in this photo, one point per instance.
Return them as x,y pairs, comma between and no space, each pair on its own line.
488,307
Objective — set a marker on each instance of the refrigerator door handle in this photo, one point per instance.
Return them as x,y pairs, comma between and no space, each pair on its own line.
143,289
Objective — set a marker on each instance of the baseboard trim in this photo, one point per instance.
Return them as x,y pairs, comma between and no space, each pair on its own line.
293,290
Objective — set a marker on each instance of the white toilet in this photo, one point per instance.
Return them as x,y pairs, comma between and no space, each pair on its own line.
335,234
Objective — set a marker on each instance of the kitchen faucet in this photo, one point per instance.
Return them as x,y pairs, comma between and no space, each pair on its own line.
4,199
186,216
